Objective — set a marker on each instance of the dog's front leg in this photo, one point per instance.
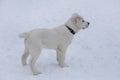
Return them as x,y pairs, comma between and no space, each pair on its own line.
61,57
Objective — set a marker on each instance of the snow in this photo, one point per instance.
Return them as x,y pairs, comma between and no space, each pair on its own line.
93,55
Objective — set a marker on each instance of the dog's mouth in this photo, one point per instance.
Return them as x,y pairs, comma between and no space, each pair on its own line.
84,27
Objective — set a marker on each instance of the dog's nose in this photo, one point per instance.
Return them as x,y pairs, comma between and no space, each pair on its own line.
88,23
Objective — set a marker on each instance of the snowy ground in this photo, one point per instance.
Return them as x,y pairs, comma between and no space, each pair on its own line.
93,55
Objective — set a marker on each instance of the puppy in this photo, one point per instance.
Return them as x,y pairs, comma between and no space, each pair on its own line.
58,38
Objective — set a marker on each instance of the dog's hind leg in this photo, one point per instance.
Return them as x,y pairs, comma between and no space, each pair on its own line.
25,56
26,53
34,56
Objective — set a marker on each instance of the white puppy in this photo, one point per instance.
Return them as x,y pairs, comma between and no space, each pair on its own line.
58,38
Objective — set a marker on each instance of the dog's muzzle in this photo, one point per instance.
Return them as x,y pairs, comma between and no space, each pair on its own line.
86,26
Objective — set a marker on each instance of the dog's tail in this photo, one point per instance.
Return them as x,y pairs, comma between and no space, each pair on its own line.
24,35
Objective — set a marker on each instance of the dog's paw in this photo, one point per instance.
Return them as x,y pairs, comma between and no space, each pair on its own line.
36,73
24,64
63,65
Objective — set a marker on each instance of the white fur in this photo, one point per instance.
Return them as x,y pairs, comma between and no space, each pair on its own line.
58,38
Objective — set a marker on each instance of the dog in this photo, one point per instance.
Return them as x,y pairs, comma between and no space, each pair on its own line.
58,38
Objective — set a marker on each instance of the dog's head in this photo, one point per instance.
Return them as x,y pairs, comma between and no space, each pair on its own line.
76,22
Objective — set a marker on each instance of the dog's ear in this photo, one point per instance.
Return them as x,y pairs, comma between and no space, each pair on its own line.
75,18
75,14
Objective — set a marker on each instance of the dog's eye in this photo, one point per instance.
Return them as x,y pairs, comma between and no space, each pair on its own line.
83,21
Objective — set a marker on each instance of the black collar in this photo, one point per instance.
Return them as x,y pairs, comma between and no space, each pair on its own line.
70,29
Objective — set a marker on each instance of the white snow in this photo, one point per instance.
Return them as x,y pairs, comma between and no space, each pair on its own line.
93,55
